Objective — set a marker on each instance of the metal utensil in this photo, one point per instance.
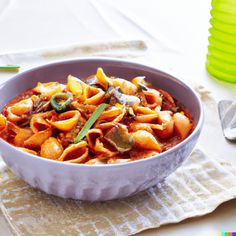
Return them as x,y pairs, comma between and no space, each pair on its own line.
227,113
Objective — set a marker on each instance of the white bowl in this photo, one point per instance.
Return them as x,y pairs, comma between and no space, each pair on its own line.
94,183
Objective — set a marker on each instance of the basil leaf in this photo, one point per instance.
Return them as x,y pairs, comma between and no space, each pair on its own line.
99,110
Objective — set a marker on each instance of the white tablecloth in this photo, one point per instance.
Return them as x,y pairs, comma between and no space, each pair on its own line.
176,33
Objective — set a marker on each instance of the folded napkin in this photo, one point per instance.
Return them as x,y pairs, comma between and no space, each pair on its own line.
196,188
125,48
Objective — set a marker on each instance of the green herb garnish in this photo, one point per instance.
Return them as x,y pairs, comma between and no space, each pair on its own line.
99,110
9,68
60,101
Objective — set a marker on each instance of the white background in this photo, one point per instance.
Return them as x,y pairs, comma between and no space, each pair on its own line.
176,33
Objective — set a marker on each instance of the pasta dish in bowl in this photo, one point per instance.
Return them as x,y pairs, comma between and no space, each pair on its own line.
99,120
61,120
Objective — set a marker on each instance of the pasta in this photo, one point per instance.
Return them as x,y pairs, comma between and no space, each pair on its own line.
96,121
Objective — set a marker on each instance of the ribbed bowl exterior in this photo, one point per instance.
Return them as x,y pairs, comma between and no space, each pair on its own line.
106,182
95,184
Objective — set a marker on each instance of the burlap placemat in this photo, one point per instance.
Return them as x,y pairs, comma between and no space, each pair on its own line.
196,188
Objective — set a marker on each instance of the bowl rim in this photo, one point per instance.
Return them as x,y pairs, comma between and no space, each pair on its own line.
105,59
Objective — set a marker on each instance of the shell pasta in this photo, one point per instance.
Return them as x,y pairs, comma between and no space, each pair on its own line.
98,120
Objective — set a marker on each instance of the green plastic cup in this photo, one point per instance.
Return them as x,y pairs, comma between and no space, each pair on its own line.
228,68
221,45
224,27
227,6
222,36
223,17
221,57
218,74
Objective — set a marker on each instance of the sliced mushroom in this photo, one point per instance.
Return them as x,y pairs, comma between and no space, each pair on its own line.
120,138
124,99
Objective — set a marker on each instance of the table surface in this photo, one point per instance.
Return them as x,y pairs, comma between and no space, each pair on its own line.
176,33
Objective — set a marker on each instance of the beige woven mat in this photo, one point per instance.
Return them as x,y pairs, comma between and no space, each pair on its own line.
196,188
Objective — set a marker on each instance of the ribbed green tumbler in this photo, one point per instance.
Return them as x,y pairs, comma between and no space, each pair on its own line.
221,57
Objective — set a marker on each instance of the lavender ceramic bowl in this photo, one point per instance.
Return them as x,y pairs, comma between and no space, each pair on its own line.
106,182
